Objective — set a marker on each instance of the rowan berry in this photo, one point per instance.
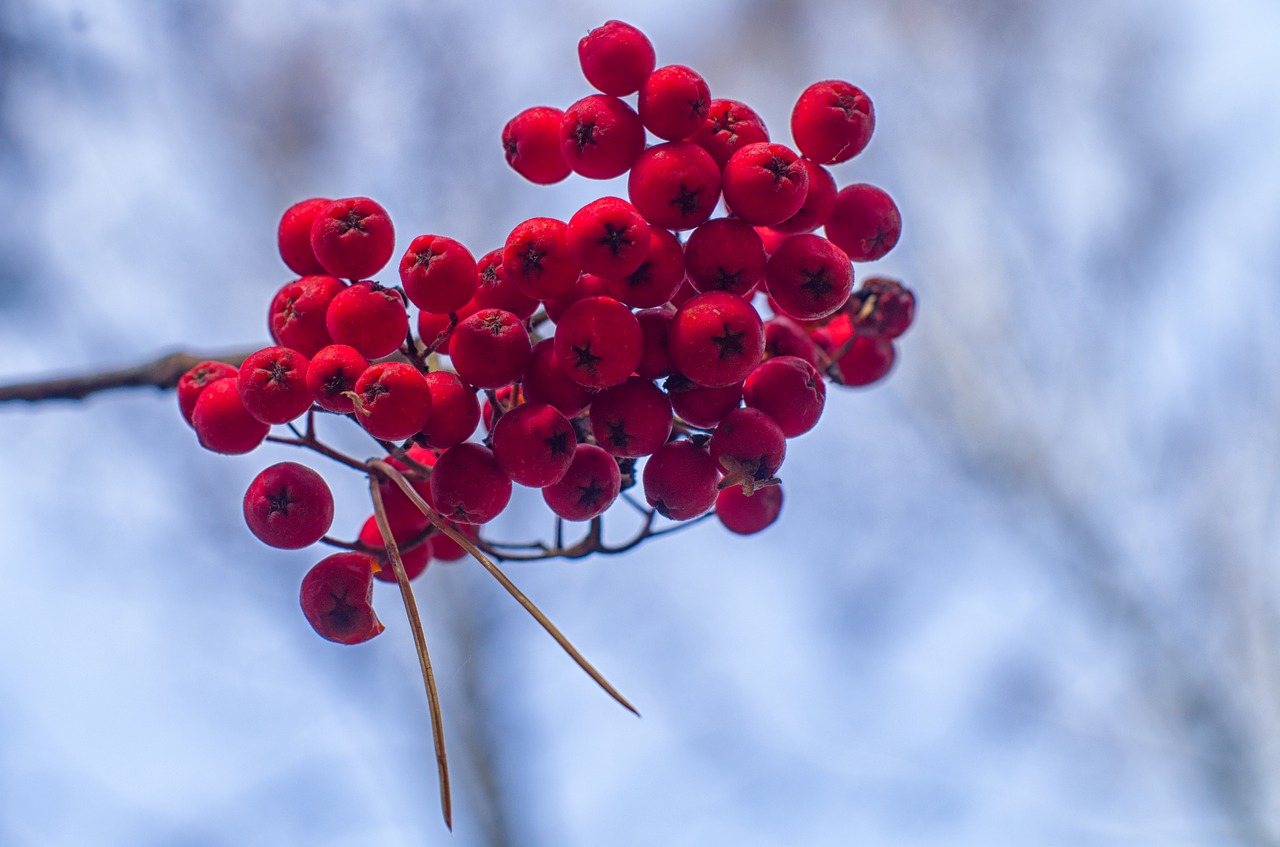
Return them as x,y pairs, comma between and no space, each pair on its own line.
748,446
675,185
601,137
608,237
288,506
587,285
657,278
353,238
195,381
455,411
832,121
273,384
495,291
616,58
725,254
784,337
402,513
534,444
438,274
531,142
764,184
438,330
729,126
298,310
808,278
368,317
332,376
415,560
680,481
537,260
490,349
868,360
598,342
468,486
700,405
337,598
865,222
655,361
819,201
394,400
222,423
589,486
716,339
632,418
882,307
746,514
674,102
545,381
293,236
789,390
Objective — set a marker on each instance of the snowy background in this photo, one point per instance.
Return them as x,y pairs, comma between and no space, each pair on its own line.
1024,592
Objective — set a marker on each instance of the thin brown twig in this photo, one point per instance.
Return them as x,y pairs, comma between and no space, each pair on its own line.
162,373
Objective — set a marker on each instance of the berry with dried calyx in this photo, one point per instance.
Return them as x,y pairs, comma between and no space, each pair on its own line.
616,58
589,486
747,514
675,185
764,184
819,201
608,237
882,307
674,102
598,342
730,125
601,137
273,384
808,278
864,223
439,275
725,254
632,418
749,447
490,349
716,339
298,310
393,400
288,506
223,424
368,317
832,121
353,238
332,375
195,381
531,142
537,260
789,390
680,481
545,381
468,486
534,444
657,278
495,291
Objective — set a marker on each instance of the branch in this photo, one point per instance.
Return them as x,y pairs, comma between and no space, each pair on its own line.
162,373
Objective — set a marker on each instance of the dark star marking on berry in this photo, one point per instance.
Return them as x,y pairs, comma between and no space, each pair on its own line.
849,105
373,391
494,323
816,283
729,343
353,220
422,259
686,200
584,134
512,150
279,502
615,239
725,280
338,383
698,108
489,276
618,435
277,371
343,614
641,275
585,359
590,495
531,260
558,444
878,240
780,168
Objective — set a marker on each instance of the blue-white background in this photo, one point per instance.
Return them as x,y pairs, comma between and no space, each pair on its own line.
1023,593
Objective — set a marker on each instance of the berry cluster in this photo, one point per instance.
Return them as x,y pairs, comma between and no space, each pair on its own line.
632,332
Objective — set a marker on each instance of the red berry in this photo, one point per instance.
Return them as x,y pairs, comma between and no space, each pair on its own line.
832,121
195,381
353,238
507,397
403,515
601,137
674,102
675,185
531,141
680,481
784,337
395,401
657,278
588,285
809,278
438,329
729,126
608,237
764,183
288,506
537,260
819,201
616,58
655,362
438,274
490,349
631,419
294,236
273,384
748,446
298,311
865,222
746,514
332,375
534,444
415,560
716,339
545,381
699,405
468,486
455,411
598,342
495,291
868,360
223,424
588,488
789,390
337,598
725,254
368,317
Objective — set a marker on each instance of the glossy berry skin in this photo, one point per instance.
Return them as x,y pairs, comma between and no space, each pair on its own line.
608,237
655,362
680,481
699,405
716,339
588,285
495,291
729,126
293,236
589,486
273,384
865,222
455,411
808,278
764,184
368,317
395,401
337,598
657,278
598,342
288,506
546,382
439,275
195,381
438,330
534,444
675,185
832,121
747,514
868,360
819,201
616,58
490,349
332,374
415,560
297,317
601,137
883,307
789,390
748,446
632,418
785,337
537,260
725,254
468,486
674,102
223,424
531,143
353,238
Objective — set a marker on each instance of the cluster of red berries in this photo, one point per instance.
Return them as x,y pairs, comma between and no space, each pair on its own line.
658,352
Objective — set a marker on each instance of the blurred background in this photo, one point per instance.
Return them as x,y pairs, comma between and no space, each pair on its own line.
1023,592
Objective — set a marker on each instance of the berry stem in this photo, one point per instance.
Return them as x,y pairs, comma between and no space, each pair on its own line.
466,544
420,641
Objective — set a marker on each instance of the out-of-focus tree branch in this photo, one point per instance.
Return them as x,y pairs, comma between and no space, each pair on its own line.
162,373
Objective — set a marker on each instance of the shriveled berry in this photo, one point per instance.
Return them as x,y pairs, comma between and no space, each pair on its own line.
747,514
332,375
789,390
195,381
832,121
616,58
545,381
716,339
601,137
725,254
531,142
368,317
288,506
415,559
534,444
394,400
808,277
680,481
294,236
882,307
353,238
764,184
439,275
537,260
455,411
273,384
589,486
298,310
675,185
223,424
632,418
865,222
337,598
598,342
468,486
608,237
674,102
490,349
729,126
